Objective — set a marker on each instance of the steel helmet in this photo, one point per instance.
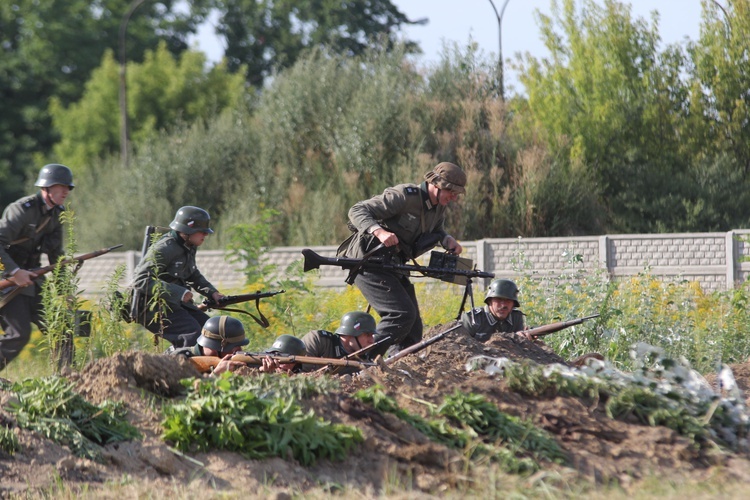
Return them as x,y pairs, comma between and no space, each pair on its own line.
222,333
191,220
448,176
54,173
287,344
356,323
503,289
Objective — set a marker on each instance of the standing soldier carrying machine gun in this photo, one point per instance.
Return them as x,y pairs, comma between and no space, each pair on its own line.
401,220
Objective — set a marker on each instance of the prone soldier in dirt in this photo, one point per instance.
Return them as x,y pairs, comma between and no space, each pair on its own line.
30,227
284,345
168,271
355,332
499,315
221,336
401,219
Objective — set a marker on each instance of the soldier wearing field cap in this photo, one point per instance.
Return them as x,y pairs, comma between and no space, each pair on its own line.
29,228
168,272
407,220
499,315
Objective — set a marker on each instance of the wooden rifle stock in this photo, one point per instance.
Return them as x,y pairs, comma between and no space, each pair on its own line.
11,289
418,347
206,364
355,355
541,331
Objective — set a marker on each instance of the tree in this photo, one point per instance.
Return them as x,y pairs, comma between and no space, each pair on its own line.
268,35
609,101
49,49
163,91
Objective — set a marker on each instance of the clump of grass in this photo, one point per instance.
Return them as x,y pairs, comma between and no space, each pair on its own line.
50,407
228,414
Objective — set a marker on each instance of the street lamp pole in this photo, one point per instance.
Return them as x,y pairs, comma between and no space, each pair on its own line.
500,75
124,139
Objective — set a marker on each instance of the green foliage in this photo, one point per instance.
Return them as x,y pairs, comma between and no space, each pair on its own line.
109,334
163,91
268,36
50,407
257,419
8,440
61,300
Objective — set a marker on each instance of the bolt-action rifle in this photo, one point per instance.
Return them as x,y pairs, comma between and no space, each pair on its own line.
541,331
9,289
205,364
421,345
229,300
356,355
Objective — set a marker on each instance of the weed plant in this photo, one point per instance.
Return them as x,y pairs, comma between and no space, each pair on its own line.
50,407
224,414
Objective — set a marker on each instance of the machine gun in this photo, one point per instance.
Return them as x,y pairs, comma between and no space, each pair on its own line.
9,289
229,300
443,266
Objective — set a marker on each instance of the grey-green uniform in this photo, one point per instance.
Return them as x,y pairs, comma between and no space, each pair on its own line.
324,344
406,211
483,324
169,267
28,229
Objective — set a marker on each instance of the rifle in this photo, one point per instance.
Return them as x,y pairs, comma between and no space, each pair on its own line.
10,289
541,331
205,364
355,355
421,345
229,300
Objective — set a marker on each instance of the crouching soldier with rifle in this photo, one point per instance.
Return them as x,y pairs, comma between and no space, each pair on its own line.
165,276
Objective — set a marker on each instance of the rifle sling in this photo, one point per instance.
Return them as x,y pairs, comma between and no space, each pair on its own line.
262,321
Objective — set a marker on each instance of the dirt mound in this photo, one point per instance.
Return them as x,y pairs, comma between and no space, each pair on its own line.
597,447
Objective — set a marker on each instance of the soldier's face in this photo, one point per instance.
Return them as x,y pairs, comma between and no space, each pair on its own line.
500,308
197,239
57,194
446,196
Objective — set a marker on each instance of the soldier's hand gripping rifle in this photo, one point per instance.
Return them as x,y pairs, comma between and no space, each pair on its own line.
229,300
541,331
9,289
205,364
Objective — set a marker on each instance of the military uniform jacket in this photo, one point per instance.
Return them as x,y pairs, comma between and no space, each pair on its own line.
27,230
172,262
485,324
324,344
404,210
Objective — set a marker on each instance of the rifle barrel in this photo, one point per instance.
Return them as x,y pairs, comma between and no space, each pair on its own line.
418,347
541,331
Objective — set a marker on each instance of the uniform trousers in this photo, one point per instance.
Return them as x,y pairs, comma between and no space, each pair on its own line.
182,327
393,297
16,318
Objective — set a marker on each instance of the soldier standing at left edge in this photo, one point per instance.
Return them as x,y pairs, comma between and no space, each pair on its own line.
30,227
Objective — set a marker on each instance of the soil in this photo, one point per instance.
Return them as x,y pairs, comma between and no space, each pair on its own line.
599,449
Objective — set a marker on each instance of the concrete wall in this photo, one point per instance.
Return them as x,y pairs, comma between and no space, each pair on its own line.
715,260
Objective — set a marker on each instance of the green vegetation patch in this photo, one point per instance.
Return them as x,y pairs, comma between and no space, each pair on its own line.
8,440
470,422
257,416
50,407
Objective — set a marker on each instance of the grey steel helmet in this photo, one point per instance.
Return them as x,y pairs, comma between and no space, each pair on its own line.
287,344
503,289
447,175
54,173
356,323
190,220
222,334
